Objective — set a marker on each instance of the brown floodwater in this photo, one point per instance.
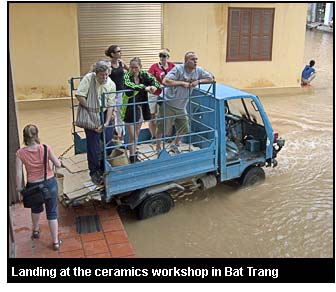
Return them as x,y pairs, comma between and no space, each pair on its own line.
290,215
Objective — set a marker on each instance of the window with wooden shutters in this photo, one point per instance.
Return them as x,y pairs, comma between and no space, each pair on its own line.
250,34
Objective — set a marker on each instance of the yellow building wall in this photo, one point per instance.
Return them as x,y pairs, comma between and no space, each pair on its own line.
43,42
202,27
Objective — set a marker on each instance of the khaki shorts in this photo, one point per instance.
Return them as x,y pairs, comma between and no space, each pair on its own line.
181,122
152,98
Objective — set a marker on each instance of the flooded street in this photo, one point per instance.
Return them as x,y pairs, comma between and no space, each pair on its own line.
290,215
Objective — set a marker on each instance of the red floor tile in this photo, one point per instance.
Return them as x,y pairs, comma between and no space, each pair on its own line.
95,247
47,253
100,255
71,244
116,237
107,214
92,236
130,256
112,225
121,249
20,253
65,232
112,241
72,254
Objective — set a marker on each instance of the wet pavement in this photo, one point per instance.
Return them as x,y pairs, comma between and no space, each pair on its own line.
111,242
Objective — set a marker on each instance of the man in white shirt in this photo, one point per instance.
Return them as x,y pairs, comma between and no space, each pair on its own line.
104,84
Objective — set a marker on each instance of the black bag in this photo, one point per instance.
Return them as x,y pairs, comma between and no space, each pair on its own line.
39,193
32,196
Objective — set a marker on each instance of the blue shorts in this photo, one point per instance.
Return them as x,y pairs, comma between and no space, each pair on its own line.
51,204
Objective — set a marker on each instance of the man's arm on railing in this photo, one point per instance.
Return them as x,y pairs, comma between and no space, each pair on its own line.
169,82
200,81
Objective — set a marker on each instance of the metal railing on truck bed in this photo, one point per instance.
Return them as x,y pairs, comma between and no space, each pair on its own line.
199,145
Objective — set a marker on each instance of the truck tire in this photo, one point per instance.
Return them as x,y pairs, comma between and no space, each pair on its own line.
154,205
252,176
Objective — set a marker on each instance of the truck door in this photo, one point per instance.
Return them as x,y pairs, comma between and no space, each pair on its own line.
246,136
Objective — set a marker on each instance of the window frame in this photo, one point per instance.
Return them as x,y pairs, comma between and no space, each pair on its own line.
250,57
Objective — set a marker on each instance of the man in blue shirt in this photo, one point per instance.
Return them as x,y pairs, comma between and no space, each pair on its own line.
308,73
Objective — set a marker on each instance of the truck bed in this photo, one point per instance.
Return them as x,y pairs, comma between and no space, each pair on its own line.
124,177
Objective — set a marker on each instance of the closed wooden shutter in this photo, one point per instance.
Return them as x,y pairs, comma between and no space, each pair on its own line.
250,34
135,27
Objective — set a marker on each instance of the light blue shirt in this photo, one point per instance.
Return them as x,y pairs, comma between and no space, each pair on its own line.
181,94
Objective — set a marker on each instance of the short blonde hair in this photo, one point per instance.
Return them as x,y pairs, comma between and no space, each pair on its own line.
187,54
30,134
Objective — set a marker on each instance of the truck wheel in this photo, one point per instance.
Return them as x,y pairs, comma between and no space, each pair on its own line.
252,176
154,205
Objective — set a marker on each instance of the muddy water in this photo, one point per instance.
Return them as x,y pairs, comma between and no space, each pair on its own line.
290,215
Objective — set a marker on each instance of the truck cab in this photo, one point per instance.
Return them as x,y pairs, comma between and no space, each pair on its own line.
247,140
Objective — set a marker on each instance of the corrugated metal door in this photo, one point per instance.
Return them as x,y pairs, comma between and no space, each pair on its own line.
135,27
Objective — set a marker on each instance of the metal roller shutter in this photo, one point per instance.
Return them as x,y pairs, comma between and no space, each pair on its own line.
135,27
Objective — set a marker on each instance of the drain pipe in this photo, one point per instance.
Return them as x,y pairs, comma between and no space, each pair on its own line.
11,236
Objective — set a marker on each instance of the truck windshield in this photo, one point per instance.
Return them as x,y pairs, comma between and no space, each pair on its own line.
245,108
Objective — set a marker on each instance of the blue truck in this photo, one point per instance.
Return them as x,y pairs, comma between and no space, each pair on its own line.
230,138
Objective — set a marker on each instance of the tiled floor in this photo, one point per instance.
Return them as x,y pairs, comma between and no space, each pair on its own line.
111,242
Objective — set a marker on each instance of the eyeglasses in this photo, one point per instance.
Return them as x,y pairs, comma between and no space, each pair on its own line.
163,56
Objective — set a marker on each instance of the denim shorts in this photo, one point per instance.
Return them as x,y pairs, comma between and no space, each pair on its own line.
50,204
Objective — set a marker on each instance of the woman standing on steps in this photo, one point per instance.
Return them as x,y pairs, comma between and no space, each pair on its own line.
31,157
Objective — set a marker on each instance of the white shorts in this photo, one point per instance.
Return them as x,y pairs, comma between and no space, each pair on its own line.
118,122
152,98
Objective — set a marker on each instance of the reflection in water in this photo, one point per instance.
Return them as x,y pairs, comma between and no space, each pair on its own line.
290,215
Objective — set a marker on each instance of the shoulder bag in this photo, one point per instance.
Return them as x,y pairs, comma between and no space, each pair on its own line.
88,117
39,193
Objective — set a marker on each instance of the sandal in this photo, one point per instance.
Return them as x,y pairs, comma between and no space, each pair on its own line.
57,245
35,234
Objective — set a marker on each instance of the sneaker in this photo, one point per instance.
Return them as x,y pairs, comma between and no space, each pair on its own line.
175,148
97,179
